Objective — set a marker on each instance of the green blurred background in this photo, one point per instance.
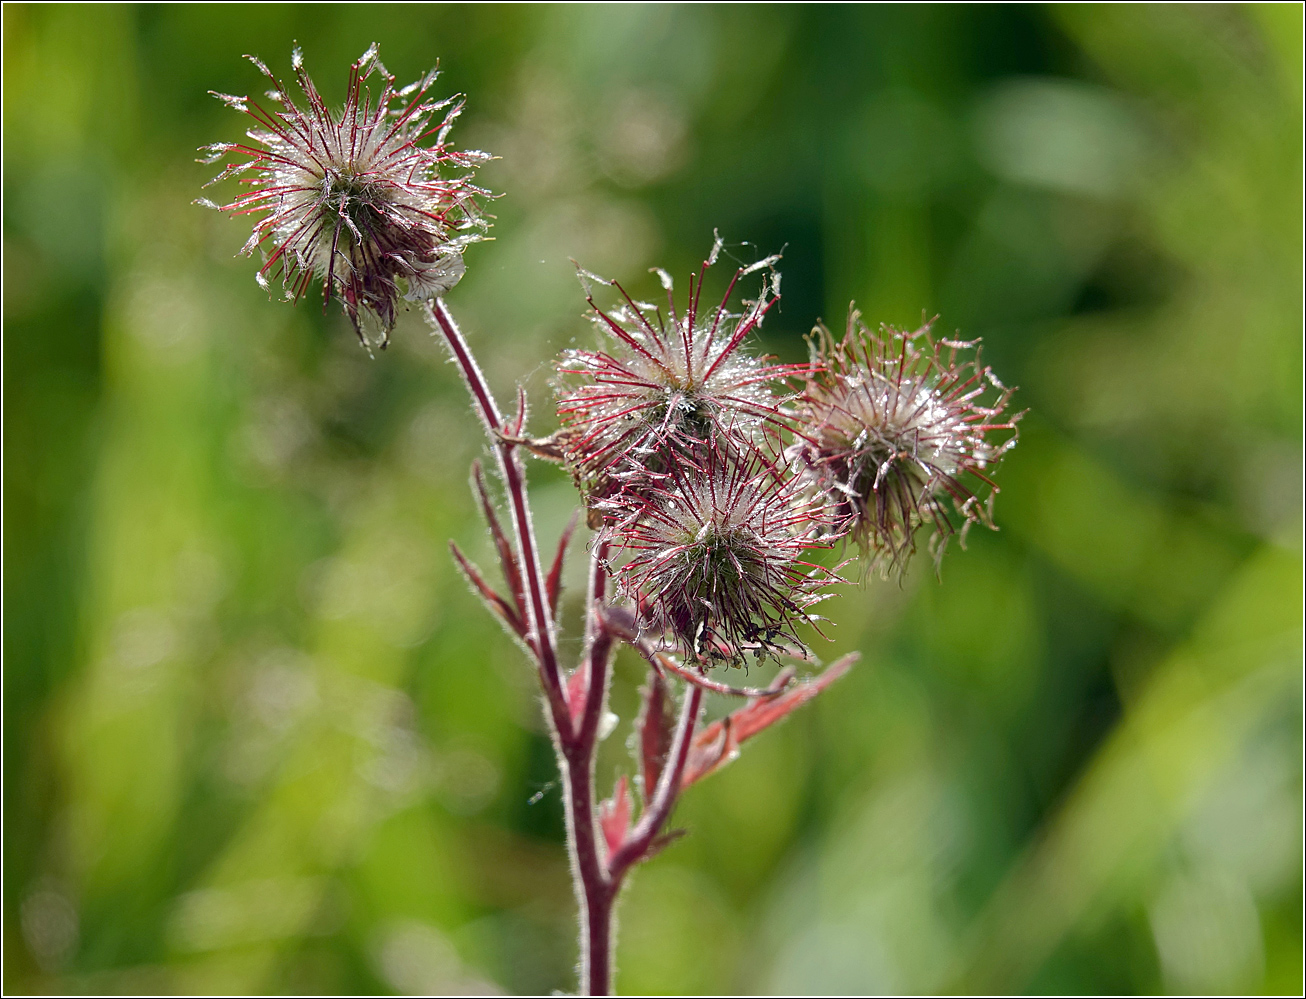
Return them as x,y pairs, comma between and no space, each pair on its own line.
258,737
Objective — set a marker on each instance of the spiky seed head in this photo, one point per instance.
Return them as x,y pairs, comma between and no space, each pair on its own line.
352,197
667,387
898,430
715,556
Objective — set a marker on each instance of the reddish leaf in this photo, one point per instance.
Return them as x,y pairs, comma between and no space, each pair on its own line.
547,448
781,681
660,843
718,744
553,585
507,557
496,603
656,728
614,816
577,690
519,420
621,623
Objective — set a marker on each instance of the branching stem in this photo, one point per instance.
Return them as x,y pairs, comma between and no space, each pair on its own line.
514,480
576,708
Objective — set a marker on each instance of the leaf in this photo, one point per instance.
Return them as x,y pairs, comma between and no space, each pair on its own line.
496,603
507,557
614,816
546,448
519,420
782,680
660,843
553,585
656,728
577,690
719,743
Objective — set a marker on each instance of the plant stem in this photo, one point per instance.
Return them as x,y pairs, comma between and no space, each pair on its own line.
594,892
643,837
598,884
576,724
543,639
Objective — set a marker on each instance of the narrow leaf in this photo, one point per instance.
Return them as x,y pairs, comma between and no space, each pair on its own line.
553,585
519,420
614,816
782,680
507,557
660,843
496,603
656,728
719,743
577,692
547,448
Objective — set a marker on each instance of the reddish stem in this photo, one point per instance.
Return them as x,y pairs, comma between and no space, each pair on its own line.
641,838
594,892
576,739
514,481
597,884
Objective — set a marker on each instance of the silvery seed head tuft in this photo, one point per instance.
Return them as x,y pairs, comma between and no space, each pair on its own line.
667,387
352,197
716,555
896,433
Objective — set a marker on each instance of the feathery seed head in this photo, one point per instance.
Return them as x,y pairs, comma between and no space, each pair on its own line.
895,430
350,197
668,387
715,556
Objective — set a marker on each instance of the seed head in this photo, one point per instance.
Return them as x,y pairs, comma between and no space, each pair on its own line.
715,556
350,197
668,388
894,431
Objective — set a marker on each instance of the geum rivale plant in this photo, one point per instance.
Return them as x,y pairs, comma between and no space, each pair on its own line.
715,481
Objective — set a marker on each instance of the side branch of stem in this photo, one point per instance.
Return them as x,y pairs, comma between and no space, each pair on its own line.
641,838
514,479
576,726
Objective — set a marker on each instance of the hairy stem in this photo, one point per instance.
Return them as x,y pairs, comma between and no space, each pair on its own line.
514,481
594,891
576,709
598,883
642,837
